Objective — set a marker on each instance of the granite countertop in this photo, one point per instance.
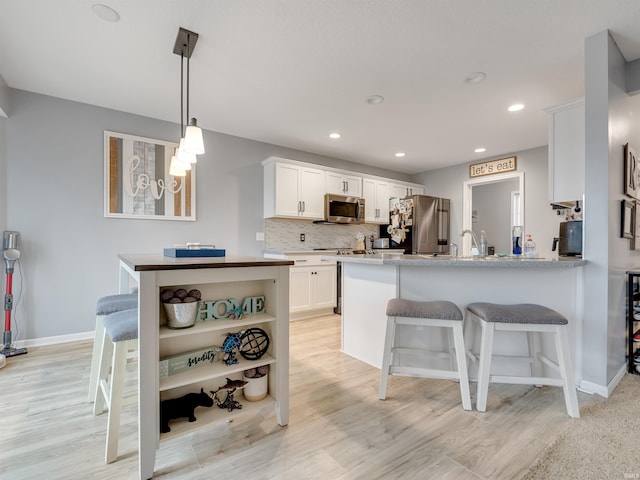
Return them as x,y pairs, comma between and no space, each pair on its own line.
447,261
326,251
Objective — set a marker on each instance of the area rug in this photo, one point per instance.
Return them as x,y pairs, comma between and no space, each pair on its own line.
601,444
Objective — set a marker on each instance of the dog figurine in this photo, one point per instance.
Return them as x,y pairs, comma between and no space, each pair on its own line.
182,407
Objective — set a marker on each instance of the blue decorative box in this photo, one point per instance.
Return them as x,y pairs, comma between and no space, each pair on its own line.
193,252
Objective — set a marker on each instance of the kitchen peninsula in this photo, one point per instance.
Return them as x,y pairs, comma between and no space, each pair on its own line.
370,281
216,278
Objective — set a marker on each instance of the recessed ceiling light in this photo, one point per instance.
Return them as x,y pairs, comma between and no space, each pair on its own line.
480,150
105,12
516,107
334,135
400,154
375,99
475,77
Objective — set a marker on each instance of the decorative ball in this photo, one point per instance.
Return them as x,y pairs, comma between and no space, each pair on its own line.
180,293
175,300
255,343
166,295
189,300
195,293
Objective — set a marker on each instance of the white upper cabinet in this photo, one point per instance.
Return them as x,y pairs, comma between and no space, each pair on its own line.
296,190
293,191
376,195
401,190
344,184
566,151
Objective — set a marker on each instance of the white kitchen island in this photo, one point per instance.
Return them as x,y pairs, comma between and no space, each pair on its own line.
370,281
217,278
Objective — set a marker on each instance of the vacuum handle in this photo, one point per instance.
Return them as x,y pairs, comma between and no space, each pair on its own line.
555,244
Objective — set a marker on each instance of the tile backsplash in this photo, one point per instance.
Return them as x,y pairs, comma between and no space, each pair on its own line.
284,235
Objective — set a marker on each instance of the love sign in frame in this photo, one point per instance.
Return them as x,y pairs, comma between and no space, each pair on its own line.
137,183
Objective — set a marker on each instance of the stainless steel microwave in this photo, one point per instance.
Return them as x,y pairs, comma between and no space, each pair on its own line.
343,209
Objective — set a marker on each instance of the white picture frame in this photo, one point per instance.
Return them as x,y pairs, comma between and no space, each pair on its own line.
137,183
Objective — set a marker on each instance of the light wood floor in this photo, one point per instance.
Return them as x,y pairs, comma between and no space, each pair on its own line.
338,428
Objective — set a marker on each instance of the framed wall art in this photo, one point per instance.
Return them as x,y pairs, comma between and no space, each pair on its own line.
627,227
137,183
635,243
631,173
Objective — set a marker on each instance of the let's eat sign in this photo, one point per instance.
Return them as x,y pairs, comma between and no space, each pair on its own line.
492,167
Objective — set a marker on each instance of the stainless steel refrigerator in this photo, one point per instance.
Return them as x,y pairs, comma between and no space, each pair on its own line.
419,224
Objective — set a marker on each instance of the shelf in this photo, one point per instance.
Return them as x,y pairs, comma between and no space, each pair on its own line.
207,416
217,325
209,372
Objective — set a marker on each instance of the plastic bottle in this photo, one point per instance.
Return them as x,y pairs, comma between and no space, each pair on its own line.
530,247
517,240
483,243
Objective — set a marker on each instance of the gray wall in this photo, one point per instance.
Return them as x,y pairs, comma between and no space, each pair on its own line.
3,174
55,200
540,219
608,128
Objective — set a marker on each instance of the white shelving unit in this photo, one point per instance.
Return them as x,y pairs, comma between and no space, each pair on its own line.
217,279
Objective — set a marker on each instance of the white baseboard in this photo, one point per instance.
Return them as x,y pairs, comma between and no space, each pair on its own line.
603,390
41,342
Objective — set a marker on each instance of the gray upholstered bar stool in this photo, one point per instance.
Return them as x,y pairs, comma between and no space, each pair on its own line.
121,336
441,314
532,319
105,306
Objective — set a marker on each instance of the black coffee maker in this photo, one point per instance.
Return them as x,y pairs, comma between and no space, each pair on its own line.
569,242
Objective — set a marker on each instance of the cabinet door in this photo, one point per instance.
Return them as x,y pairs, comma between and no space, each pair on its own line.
566,152
286,190
354,186
324,279
399,191
341,184
369,194
336,183
311,192
383,193
300,296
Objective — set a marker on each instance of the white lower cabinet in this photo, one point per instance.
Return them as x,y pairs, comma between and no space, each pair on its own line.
312,285
312,288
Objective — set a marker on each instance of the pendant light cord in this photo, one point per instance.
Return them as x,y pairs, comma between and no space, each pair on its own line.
188,61
182,94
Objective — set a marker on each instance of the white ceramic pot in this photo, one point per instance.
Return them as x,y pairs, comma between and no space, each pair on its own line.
256,389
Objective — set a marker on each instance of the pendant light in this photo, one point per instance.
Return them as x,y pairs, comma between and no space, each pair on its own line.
191,142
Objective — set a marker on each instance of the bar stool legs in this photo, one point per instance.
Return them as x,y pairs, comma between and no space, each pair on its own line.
121,334
105,306
426,314
530,319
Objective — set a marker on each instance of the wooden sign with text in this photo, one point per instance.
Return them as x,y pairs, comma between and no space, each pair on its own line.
492,167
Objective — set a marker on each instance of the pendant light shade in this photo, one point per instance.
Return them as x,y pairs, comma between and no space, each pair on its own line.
174,170
193,142
185,156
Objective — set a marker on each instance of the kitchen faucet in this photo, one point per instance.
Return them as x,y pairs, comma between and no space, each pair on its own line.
473,238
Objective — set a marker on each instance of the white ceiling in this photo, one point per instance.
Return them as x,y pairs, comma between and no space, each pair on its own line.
289,72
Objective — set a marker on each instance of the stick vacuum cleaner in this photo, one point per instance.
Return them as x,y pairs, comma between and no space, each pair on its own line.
11,254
